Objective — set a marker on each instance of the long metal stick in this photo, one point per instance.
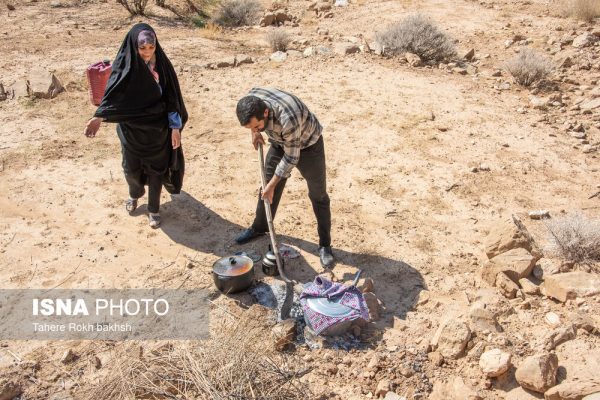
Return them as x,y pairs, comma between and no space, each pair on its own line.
286,307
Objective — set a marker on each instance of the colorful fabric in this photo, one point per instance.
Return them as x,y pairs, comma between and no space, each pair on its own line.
146,37
348,296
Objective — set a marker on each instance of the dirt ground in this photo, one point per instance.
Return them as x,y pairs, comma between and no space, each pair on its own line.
401,143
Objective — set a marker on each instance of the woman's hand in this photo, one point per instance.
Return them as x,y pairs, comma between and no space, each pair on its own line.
175,138
92,127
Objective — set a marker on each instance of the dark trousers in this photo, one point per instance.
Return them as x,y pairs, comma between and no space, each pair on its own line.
312,168
136,177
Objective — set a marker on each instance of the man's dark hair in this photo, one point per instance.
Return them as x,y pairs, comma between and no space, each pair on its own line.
250,106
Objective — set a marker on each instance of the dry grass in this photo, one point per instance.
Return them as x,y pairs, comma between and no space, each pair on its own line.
416,34
575,238
278,39
529,67
232,13
585,10
233,364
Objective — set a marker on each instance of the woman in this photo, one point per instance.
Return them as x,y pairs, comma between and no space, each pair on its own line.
143,97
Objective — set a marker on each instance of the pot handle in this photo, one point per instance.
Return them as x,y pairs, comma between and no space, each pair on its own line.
232,260
355,281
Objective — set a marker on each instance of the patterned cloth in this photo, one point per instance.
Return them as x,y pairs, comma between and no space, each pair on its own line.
290,124
348,296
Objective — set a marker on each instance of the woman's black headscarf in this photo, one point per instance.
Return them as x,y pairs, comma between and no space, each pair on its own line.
132,93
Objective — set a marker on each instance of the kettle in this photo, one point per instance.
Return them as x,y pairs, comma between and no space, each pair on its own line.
269,263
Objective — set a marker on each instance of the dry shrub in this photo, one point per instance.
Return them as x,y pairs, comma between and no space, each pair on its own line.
585,10
234,363
416,34
134,7
278,39
232,13
529,67
575,238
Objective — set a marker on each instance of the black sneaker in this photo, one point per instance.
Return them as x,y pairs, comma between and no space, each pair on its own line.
326,256
248,235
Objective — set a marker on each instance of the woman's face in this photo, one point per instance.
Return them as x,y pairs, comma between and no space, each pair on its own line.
146,51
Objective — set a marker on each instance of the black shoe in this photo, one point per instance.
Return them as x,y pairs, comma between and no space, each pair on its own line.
248,235
326,256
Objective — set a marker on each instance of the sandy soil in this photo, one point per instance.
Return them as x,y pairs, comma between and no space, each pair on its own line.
400,142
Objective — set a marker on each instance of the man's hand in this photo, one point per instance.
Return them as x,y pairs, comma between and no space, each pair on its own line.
269,191
91,128
175,138
256,139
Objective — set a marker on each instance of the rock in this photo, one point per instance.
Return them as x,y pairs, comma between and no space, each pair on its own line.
539,214
564,61
413,59
583,321
516,264
529,287
460,71
539,102
3,94
281,16
318,50
573,390
295,54
268,19
423,297
9,389
506,286
552,319
584,40
482,319
283,333
579,135
377,48
538,372
469,55
451,338
436,358
476,352
97,362
366,285
571,285
226,63
322,6
494,363
508,235
559,336
454,389
522,394
68,357
43,85
595,396
393,396
345,48
373,304
243,59
278,56
590,104
383,387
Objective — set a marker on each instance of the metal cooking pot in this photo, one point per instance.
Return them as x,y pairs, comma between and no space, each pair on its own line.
233,274
269,264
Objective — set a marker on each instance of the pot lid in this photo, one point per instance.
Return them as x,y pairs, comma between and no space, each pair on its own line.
327,307
232,266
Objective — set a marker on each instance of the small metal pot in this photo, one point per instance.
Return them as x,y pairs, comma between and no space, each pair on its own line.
233,274
269,264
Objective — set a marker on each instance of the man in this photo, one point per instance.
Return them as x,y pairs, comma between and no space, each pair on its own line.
296,141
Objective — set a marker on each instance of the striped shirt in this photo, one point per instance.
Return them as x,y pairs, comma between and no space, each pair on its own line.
290,124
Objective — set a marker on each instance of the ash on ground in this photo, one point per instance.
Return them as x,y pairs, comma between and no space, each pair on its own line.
272,295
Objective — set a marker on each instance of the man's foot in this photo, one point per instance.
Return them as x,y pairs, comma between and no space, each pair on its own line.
131,205
154,220
326,256
248,235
